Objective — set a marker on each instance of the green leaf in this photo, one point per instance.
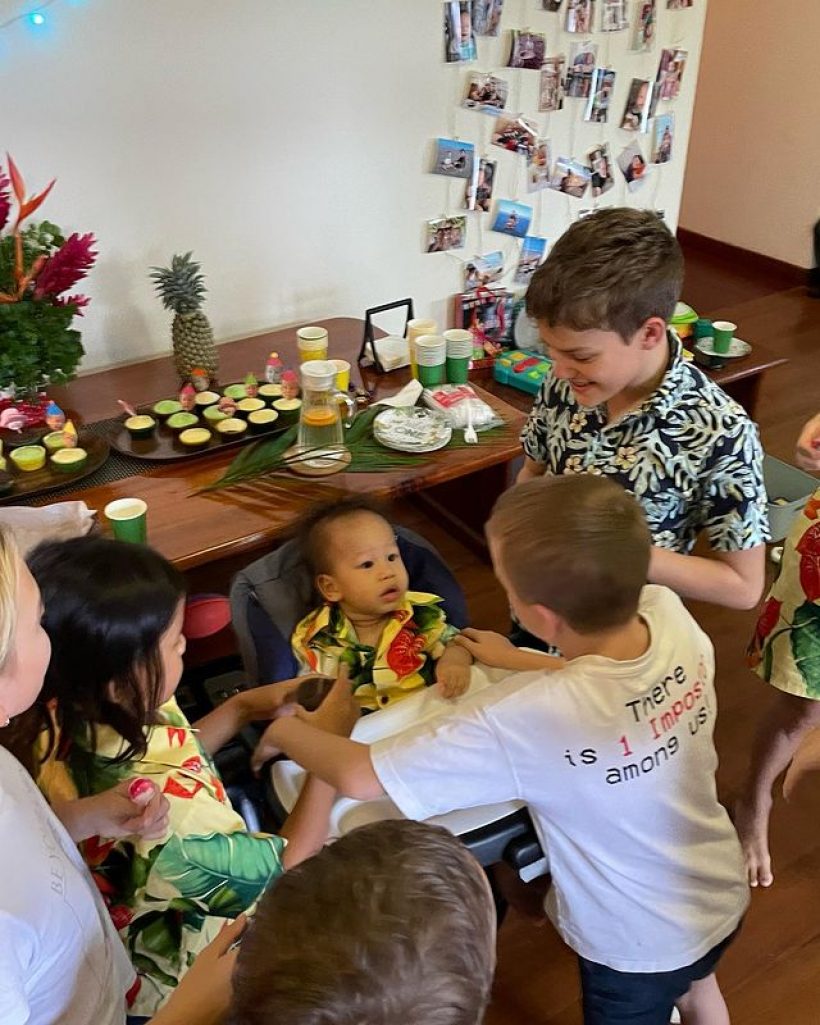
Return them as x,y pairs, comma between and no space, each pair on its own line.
805,640
226,873
145,966
254,460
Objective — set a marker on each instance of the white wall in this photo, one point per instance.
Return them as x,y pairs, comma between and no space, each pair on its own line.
755,140
287,144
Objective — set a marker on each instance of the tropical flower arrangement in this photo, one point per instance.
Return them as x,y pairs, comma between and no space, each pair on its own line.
38,268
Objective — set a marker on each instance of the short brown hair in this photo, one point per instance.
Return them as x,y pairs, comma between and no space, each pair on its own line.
313,532
611,271
391,925
577,544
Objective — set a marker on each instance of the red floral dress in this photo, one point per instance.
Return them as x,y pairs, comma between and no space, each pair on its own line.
785,649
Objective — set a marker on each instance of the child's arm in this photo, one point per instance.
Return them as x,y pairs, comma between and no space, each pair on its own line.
733,579
453,671
306,828
492,649
530,470
218,727
115,813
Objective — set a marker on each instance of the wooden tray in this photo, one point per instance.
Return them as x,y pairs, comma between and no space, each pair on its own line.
163,447
26,485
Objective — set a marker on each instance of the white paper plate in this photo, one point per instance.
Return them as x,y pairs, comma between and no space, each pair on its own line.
412,430
737,348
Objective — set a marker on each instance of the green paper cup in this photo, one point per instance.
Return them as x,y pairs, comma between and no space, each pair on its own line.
723,331
430,377
458,369
702,329
128,519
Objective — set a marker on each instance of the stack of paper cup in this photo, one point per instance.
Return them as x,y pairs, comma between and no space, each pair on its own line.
431,359
459,354
415,329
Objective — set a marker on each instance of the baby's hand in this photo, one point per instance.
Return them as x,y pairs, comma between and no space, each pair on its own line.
452,680
487,647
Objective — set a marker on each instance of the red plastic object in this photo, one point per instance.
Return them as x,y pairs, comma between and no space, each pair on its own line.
205,615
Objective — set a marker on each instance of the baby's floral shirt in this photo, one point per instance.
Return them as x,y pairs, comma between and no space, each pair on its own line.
168,897
689,454
404,659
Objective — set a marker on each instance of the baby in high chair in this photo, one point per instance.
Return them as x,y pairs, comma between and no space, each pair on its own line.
390,640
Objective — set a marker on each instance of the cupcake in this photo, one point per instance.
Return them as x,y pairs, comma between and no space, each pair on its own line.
288,409
213,414
206,398
54,441
195,437
262,420
247,406
269,392
233,427
166,407
140,426
69,460
235,392
29,458
180,421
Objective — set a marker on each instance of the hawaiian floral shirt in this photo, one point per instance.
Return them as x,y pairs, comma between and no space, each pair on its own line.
690,455
403,661
167,897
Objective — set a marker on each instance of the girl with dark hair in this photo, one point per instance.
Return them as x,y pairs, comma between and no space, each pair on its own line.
113,614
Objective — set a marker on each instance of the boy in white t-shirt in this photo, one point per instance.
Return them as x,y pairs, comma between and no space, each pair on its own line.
612,752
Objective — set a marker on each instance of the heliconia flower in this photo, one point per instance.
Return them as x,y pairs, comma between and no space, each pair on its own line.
5,200
67,266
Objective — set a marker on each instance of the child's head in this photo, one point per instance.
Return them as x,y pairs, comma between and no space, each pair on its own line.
603,297
394,923
352,552
113,612
24,645
572,552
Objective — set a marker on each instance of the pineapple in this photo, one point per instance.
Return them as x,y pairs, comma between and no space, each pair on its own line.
181,288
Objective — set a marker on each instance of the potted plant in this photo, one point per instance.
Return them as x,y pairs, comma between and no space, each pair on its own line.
38,267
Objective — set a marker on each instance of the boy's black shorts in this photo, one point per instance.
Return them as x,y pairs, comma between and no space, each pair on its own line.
640,998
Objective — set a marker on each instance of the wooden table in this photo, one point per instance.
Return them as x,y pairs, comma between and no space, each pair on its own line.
233,526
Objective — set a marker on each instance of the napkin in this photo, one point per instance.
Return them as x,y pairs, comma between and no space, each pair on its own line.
408,396
50,523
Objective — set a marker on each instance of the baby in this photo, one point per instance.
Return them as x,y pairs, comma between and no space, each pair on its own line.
390,640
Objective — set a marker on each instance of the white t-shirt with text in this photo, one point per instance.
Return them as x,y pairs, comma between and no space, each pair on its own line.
61,960
616,762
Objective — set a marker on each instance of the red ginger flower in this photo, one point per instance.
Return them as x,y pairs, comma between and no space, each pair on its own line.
5,200
66,267
77,301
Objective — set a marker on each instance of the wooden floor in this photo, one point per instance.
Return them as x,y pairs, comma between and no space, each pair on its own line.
772,973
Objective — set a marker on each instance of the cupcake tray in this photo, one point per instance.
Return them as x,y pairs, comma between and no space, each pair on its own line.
163,445
35,482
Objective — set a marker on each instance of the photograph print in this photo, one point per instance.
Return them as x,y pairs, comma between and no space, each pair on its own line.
614,15
479,192
512,218
517,135
487,16
538,167
570,177
454,158
445,233
532,255
582,58
663,134
643,28
580,16
600,164
638,107
483,270
600,96
486,93
679,5
551,5
527,50
633,166
551,85
459,38
670,73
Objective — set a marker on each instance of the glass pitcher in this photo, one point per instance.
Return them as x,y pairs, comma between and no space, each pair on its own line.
321,428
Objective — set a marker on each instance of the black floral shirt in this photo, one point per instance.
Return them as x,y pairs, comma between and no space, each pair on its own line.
689,454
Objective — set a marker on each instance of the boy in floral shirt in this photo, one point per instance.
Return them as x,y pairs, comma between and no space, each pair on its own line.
390,640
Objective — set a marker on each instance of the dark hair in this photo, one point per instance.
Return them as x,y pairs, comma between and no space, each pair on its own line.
577,544
107,604
391,925
611,271
315,527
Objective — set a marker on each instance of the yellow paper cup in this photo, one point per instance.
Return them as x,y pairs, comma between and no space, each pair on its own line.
312,343
415,329
342,374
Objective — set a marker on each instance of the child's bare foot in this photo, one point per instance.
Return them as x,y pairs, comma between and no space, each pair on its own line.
752,824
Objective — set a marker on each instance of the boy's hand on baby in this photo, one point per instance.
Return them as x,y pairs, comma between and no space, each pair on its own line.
453,680
487,647
339,712
266,702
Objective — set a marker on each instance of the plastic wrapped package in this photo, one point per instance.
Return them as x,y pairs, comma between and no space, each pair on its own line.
461,406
